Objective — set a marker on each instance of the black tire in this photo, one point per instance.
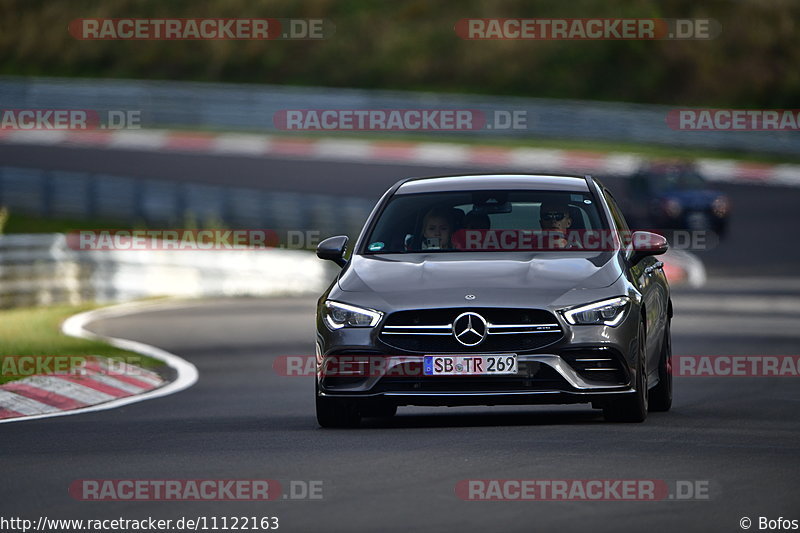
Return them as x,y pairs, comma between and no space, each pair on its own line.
633,407
337,412
661,394
721,229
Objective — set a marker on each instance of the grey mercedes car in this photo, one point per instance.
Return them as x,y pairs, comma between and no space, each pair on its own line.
490,290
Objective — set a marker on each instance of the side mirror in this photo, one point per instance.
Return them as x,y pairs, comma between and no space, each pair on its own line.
644,244
333,249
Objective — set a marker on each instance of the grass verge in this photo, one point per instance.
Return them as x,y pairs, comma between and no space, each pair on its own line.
22,223
37,331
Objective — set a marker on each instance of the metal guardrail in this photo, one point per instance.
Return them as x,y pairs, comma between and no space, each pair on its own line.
41,269
252,107
81,195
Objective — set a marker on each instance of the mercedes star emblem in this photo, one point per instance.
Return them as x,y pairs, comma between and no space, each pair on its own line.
469,329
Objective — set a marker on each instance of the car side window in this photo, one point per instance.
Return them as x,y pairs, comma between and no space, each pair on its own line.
619,220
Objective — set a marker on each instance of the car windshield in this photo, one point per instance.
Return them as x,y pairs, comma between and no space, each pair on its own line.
507,220
677,179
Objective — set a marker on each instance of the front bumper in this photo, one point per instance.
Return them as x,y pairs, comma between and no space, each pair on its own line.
451,399
540,379
553,374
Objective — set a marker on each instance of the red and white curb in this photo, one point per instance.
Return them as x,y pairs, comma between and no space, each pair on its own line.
98,382
393,152
99,389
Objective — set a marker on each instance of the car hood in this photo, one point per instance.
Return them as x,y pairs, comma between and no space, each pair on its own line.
444,279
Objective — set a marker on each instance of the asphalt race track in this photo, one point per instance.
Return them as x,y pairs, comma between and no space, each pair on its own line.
737,436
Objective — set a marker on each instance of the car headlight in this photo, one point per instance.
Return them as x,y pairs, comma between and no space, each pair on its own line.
720,206
605,312
339,315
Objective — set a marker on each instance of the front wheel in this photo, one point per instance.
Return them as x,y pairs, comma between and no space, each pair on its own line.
336,412
632,407
661,395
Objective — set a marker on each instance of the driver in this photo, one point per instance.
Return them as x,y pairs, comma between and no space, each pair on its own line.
555,220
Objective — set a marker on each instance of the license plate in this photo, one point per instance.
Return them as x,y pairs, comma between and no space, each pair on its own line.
470,365
697,220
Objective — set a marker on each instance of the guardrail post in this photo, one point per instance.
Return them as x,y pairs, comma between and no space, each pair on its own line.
180,204
91,196
138,199
46,193
227,211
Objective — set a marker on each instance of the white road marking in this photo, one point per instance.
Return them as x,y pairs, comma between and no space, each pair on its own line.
738,302
738,285
735,326
725,308
74,326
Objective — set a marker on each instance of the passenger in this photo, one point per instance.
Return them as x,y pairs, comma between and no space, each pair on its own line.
437,227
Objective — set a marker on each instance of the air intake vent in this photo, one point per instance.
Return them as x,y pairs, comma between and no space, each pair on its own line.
597,365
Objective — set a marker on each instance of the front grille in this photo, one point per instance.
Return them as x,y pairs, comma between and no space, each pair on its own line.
597,365
508,330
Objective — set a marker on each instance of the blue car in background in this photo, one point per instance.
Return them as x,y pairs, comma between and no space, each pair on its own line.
674,195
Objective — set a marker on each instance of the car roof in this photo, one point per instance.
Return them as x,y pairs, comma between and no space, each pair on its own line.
482,182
